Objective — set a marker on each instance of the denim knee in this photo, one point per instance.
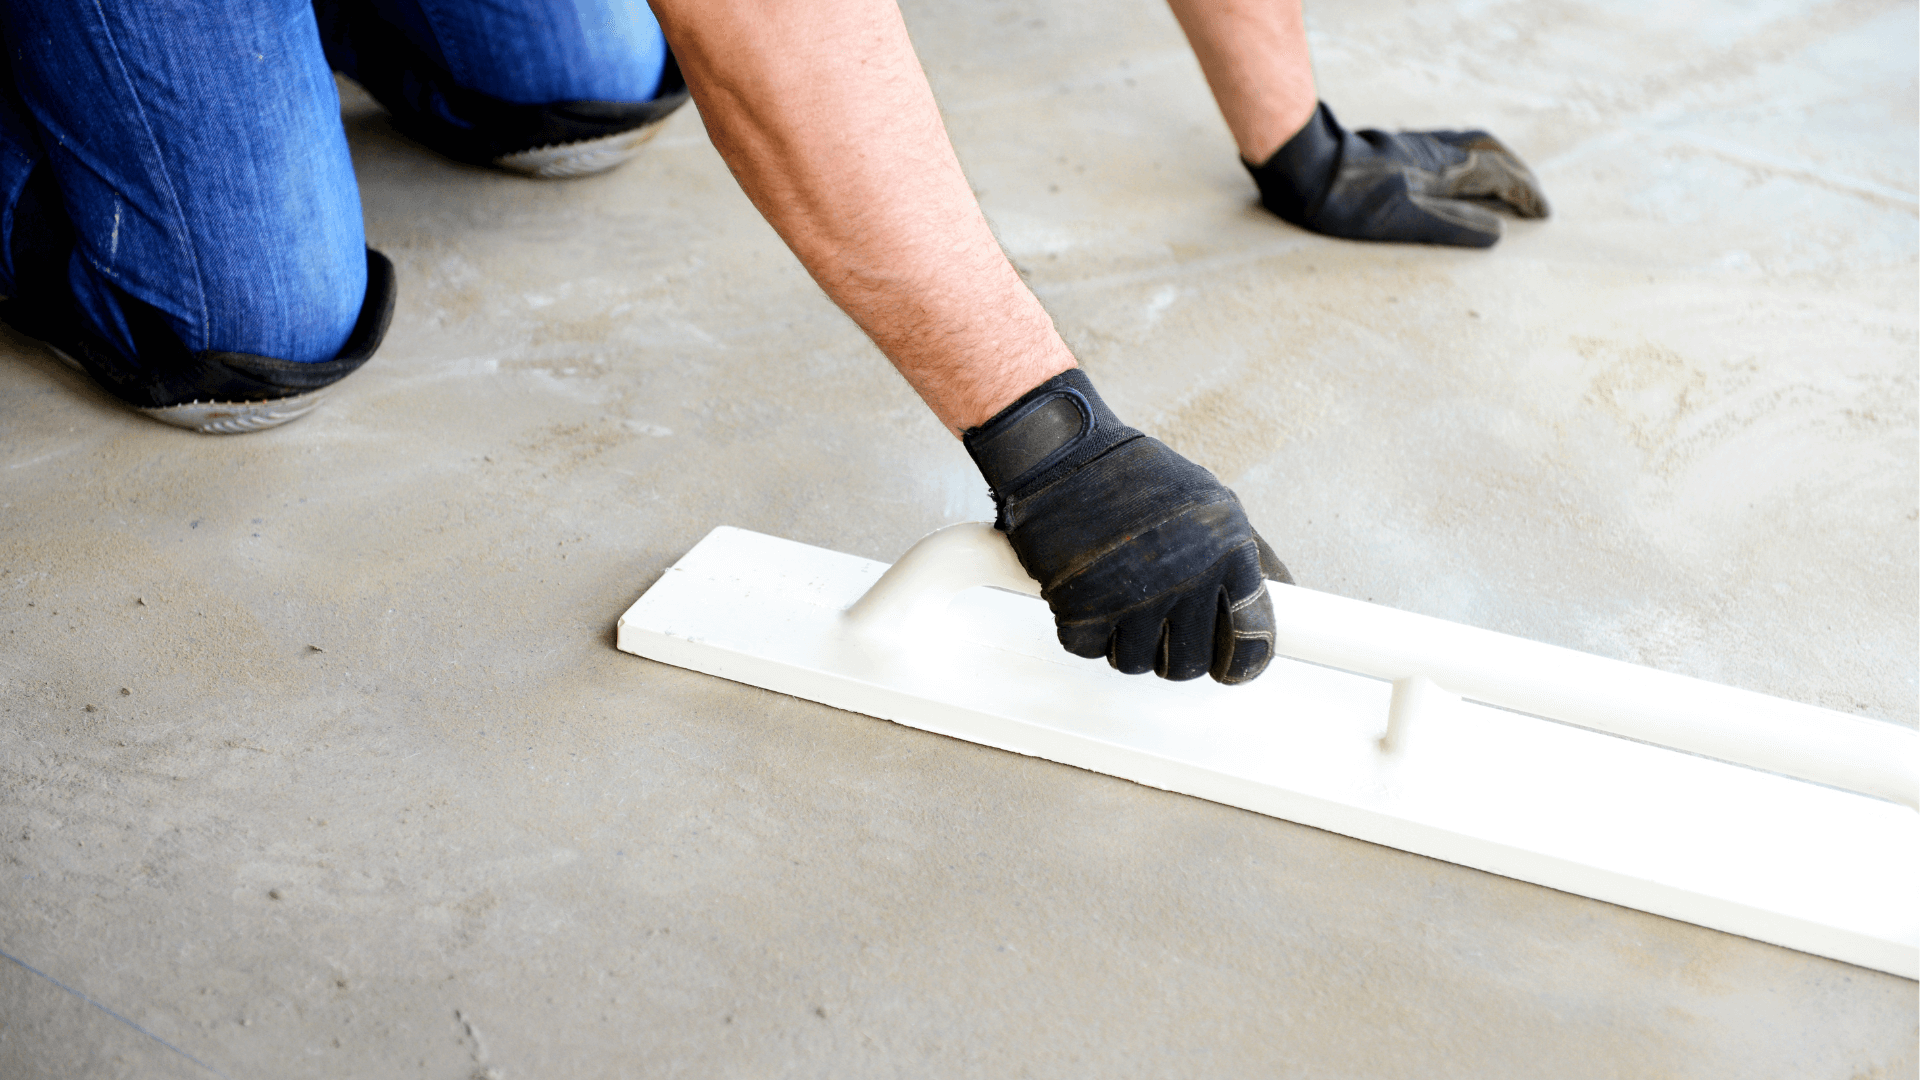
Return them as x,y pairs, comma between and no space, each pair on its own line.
199,169
296,302
500,84
292,302
537,52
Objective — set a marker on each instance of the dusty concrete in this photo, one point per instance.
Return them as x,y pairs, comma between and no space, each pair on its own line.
317,759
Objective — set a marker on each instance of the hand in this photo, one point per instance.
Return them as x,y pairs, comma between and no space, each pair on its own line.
1419,187
1144,557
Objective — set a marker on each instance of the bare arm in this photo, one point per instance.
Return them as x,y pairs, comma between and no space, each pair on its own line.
824,115
822,112
1254,54
1413,187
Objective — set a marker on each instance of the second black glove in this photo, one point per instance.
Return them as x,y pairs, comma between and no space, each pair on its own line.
1418,187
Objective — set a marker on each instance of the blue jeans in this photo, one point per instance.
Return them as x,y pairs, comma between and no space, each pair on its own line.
188,155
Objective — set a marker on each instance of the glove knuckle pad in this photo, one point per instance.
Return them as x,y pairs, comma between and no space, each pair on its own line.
1145,558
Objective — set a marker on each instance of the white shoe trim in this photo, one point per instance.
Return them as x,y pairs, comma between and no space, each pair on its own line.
584,158
237,417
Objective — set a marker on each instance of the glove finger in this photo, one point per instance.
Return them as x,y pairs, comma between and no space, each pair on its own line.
1135,644
1243,629
1271,567
1186,640
1088,637
1491,171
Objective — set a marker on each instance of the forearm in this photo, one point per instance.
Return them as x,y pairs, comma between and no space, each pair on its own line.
822,111
1254,54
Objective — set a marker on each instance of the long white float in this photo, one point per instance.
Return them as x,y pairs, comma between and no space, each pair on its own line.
1718,806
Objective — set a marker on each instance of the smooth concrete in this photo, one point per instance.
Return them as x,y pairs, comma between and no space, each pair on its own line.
316,759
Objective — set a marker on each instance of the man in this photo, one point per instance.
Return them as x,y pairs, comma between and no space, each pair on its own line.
181,223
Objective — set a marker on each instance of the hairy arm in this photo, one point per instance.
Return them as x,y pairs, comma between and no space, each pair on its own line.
822,112
824,115
1254,54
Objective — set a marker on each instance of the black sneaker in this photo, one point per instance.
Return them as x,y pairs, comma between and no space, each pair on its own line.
212,392
552,141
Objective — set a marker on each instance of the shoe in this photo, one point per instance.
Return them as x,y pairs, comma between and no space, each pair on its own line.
212,392
564,146
553,141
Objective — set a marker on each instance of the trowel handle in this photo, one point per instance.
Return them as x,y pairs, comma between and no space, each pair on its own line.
1431,660
1420,654
945,563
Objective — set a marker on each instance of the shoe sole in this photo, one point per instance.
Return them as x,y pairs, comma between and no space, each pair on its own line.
563,161
224,417
237,417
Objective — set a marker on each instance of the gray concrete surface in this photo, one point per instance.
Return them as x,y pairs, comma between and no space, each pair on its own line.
316,759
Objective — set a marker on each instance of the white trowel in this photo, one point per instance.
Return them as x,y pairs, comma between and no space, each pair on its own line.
1722,807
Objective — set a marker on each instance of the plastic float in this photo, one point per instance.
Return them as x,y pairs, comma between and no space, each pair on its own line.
1721,807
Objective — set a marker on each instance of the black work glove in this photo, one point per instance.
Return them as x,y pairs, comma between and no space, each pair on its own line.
1415,187
1143,556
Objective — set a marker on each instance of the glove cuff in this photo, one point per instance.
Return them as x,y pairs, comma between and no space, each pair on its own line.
1053,429
1294,182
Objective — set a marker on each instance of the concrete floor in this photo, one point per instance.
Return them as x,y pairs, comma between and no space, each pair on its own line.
317,759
